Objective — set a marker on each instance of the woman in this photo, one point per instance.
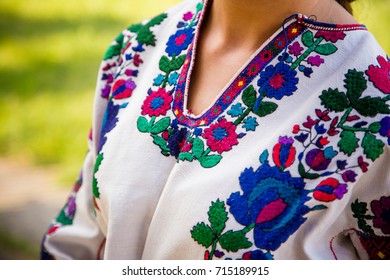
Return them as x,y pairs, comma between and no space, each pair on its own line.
236,130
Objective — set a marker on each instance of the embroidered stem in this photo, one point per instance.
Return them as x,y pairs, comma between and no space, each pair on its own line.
306,53
242,117
213,248
348,128
248,228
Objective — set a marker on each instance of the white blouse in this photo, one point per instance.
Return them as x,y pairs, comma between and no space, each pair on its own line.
291,161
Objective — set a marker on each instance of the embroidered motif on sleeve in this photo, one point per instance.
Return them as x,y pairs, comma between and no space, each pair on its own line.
67,213
122,58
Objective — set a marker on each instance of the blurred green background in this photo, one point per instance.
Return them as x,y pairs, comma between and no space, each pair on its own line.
50,52
49,55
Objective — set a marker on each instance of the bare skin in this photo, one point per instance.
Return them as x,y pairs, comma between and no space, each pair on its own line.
234,29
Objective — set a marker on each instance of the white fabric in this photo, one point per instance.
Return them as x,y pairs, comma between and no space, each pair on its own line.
149,204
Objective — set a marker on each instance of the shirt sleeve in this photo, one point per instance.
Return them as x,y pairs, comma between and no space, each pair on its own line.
75,233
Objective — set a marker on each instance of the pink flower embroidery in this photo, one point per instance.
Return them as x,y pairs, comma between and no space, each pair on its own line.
221,136
315,60
380,76
157,103
295,49
332,36
188,16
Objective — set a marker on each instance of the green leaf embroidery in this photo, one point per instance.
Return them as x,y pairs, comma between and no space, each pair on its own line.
165,64
113,50
135,28
265,108
95,188
375,127
326,49
359,208
348,142
159,141
362,224
371,106
197,148
234,241
144,34
177,63
306,175
156,20
160,126
186,156
334,100
308,38
249,96
373,147
217,216
210,161
143,124
356,84
202,234
63,218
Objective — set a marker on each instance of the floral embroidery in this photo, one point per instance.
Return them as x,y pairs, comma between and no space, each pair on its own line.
123,88
329,190
381,210
295,49
157,103
215,133
332,36
377,246
66,215
122,59
272,204
278,81
284,153
380,76
385,128
179,41
221,136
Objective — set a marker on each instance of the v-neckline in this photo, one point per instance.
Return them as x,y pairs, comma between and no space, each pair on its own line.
267,52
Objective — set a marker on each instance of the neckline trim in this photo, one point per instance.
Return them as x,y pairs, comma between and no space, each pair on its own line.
246,74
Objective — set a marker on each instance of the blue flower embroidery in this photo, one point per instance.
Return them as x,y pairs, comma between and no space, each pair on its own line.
236,110
278,81
158,80
250,123
172,80
272,202
179,41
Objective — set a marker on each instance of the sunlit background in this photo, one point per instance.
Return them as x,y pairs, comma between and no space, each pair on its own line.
49,56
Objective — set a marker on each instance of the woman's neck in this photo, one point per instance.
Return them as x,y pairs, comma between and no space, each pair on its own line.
248,23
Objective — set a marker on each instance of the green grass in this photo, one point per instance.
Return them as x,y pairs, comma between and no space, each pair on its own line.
49,56
50,52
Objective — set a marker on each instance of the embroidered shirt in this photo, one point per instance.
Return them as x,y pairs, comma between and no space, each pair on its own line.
290,162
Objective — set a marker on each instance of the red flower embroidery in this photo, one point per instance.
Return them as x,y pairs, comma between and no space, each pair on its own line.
157,103
221,136
332,36
380,76
329,190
